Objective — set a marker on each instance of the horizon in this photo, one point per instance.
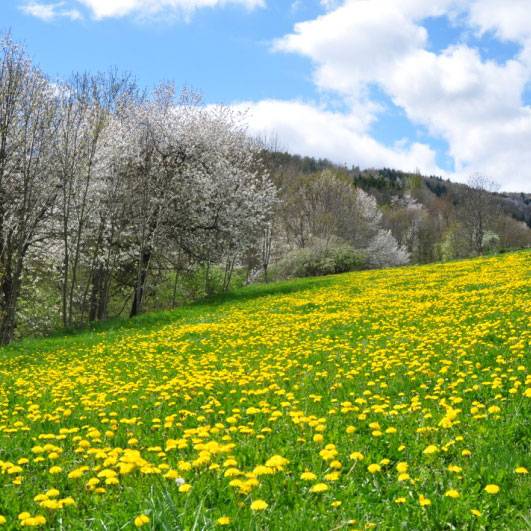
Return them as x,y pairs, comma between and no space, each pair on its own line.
444,89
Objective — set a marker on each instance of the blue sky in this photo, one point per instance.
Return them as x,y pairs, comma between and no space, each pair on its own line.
443,88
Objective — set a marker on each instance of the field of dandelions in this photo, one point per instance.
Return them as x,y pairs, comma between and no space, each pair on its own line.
393,399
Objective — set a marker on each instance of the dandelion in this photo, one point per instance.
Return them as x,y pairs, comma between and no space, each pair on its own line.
374,468
308,476
259,505
452,493
492,488
141,520
223,520
402,467
319,487
431,449
520,470
423,501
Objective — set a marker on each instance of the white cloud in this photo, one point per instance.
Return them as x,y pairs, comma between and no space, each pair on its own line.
307,129
49,12
101,9
475,105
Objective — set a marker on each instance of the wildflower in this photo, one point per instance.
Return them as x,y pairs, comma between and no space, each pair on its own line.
402,467
319,487
335,504
520,470
374,468
55,470
431,449
400,500
2,520
259,505
424,502
223,520
141,520
475,512
492,489
452,493
186,487
308,476
356,456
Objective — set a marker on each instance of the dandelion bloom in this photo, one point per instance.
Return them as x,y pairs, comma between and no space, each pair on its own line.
374,468
141,519
520,470
423,501
492,489
431,449
452,493
223,520
319,487
259,505
402,467
308,476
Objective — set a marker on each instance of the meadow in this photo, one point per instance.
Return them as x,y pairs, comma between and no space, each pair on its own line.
391,399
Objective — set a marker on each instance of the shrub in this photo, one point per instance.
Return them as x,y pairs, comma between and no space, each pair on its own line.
318,260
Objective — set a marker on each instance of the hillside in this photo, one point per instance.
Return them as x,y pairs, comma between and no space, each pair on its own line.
381,399
388,184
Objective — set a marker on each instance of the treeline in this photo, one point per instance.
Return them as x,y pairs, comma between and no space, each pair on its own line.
115,201
431,218
104,189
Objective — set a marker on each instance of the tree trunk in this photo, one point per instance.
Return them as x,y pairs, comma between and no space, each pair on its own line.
138,295
10,291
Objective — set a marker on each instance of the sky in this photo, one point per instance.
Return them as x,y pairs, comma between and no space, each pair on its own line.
441,86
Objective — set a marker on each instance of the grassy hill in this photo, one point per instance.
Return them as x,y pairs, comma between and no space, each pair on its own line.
392,399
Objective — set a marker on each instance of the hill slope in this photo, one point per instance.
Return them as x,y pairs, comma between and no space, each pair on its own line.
392,398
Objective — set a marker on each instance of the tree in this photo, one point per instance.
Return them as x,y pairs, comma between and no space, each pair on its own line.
28,187
477,211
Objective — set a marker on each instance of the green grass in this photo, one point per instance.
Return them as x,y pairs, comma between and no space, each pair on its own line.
436,355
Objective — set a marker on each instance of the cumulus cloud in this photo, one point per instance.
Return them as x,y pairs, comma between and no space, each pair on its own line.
308,129
474,104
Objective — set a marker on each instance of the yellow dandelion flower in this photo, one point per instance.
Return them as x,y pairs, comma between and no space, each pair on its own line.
141,520
319,487
259,505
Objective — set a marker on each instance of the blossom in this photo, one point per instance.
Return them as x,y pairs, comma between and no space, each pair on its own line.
141,520
491,488
374,468
259,505
452,493
223,520
319,487
423,501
